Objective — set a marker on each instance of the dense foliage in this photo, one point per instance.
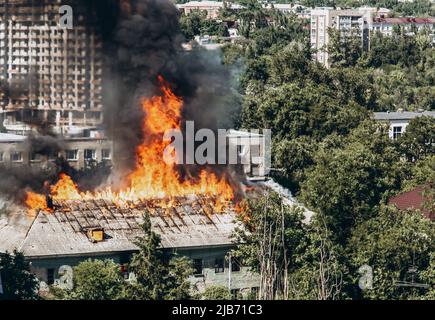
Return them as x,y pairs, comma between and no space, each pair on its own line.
17,281
216,293
336,159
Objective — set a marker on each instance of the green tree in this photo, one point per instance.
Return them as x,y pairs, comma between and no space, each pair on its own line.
292,157
348,183
191,23
159,275
418,142
422,173
216,293
94,280
320,274
345,48
18,283
391,243
269,242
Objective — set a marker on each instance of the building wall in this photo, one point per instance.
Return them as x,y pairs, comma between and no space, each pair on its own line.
321,20
8,149
387,28
393,132
56,71
242,281
249,147
347,22
42,267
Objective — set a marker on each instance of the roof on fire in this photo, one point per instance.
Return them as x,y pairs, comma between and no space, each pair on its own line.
185,223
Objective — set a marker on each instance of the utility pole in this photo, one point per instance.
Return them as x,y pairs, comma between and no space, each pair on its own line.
229,272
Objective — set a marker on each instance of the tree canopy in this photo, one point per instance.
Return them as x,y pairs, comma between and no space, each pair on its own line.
17,281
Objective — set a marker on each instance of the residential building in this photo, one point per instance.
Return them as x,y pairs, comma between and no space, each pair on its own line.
253,151
211,8
78,230
347,22
286,8
300,11
398,121
415,199
375,12
409,25
77,151
51,72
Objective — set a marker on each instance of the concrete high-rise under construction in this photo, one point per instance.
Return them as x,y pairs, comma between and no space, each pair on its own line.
48,72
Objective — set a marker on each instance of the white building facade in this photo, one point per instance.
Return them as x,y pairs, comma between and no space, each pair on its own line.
398,121
347,22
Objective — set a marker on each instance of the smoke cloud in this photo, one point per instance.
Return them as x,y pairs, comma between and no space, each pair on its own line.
141,40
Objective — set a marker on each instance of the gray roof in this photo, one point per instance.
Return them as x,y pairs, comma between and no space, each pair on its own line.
405,115
186,223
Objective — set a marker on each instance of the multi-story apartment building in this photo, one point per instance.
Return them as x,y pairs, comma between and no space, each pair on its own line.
211,8
347,22
79,152
50,72
361,22
409,25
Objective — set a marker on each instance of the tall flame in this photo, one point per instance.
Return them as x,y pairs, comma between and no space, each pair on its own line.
152,177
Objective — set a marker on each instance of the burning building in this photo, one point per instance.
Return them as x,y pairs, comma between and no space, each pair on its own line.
77,230
79,152
47,71
193,212
154,86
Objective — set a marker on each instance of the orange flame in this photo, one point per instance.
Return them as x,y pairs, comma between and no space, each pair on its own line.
35,202
152,177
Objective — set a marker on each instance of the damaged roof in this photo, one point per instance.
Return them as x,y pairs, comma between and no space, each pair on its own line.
183,223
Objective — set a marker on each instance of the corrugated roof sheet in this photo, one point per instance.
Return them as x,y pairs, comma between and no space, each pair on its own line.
186,222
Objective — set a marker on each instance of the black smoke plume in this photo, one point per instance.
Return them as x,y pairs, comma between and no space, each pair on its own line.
143,39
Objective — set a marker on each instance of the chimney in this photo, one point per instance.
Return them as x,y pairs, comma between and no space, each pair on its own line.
49,201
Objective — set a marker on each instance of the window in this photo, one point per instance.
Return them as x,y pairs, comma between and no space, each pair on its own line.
72,155
255,150
236,294
240,149
254,292
53,156
90,154
35,157
397,132
235,265
219,265
197,266
105,154
16,156
50,276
